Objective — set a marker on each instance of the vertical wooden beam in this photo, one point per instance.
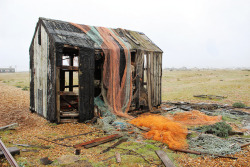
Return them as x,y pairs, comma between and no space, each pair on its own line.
62,80
86,83
58,103
160,72
71,63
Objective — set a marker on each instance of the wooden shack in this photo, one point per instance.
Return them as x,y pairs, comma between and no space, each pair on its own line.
66,66
7,70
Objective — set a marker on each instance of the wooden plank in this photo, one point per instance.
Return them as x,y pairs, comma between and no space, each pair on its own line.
68,93
12,150
114,145
69,114
58,107
149,82
71,47
72,86
244,145
98,141
73,68
71,63
9,127
164,158
68,120
86,84
118,157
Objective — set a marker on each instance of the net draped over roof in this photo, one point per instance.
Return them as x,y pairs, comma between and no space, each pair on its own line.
116,45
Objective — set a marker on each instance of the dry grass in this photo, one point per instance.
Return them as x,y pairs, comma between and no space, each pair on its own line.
182,85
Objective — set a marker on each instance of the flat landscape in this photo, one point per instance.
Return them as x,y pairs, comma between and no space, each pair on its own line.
220,86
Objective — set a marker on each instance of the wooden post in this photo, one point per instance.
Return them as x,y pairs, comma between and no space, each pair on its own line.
71,63
118,157
58,105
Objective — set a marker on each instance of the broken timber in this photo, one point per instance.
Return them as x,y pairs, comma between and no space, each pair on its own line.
200,153
98,141
164,158
114,145
9,127
244,145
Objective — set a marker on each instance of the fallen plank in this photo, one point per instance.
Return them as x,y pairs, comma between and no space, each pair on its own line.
236,133
98,141
9,127
26,145
244,145
200,153
164,158
12,150
114,145
118,157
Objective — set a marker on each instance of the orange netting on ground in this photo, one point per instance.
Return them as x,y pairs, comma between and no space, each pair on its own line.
195,118
116,90
164,130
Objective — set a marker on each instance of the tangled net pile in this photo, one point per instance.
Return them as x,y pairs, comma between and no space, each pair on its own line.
195,118
213,145
116,90
164,130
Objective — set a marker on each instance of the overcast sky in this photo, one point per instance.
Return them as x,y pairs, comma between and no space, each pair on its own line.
192,33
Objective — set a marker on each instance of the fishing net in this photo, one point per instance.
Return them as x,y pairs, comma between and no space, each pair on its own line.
195,118
107,116
213,145
163,129
116,88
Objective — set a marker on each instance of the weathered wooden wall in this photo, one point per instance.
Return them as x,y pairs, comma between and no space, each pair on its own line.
40,72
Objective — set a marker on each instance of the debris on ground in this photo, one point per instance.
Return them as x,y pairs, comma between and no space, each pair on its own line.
207,143
9,127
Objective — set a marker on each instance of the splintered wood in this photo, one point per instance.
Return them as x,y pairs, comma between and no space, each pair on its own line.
98,141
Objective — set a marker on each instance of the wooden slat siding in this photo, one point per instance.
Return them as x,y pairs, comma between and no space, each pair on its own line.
86,84
32,104
152,77
156,79
51,82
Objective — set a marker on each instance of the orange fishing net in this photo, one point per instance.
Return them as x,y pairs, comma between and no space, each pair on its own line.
116,91
164,130
195,118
